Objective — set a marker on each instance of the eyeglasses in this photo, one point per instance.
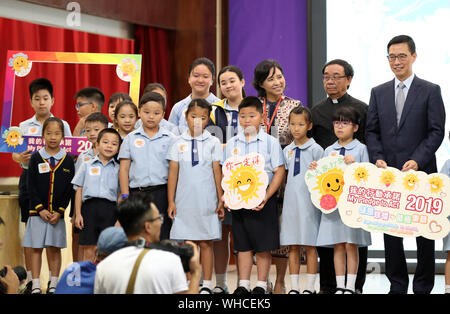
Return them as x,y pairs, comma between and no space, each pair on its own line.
160,217
79,104
327,78
401,57
343,124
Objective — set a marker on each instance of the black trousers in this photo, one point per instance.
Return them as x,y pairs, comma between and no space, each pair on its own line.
328,275
396,267
159,197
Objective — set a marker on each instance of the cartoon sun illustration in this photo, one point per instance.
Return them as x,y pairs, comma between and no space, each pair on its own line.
361,174
247,182
127,69
13,137
330,185
410,181
436,184
20,64
387,178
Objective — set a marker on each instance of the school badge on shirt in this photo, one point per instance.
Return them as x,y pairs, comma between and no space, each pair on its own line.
139,143
33,130
183,148
94,171
44,168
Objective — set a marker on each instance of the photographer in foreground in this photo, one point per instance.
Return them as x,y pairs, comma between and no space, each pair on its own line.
145,266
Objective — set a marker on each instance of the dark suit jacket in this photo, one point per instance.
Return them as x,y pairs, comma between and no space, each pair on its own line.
419,133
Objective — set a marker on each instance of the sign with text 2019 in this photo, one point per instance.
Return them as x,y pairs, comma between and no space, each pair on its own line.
401,204
20,64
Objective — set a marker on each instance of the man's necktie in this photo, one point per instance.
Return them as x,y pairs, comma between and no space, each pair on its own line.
52,162
342,151
400,101
194,153
297,161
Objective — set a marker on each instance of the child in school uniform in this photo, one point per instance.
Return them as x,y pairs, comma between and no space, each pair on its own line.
50,172
143,164
94,123
97,183
256,230
126,115
194,187
41,100
446,241
332,230
225,115
201,77
113,101
300,219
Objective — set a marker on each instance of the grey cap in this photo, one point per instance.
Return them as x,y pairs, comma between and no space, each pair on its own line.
111,239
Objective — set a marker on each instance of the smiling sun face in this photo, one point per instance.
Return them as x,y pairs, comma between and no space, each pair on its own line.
387,178
331,183
410,182
247,182
13,137
361,174
436,184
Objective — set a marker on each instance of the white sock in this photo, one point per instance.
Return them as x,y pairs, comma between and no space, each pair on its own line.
207,284
29,277
311,282
262,284
447,288
221,280
340,283
351,279
294,282
36,283
245,284
53,282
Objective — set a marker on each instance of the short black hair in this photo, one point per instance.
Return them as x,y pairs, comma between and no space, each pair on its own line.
205,61
199,102
251,101
92,94
40,84
152,86
118,97
133,212
97,117
301,110
50,120
261,73
153,96
106,131
347,113
348,69
403,39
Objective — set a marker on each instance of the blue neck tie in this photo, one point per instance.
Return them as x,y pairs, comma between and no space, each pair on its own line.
297,161
234,122
194,153
52,162
342,151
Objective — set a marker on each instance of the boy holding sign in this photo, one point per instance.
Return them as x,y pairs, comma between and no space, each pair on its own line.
256,230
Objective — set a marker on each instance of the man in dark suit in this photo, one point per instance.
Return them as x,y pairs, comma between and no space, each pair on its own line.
405,127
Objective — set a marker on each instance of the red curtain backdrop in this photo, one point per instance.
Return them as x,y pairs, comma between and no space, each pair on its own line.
153,44
67,79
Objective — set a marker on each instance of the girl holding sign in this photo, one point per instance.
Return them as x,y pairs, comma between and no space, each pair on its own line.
332,230
49,174
300,220
194,187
